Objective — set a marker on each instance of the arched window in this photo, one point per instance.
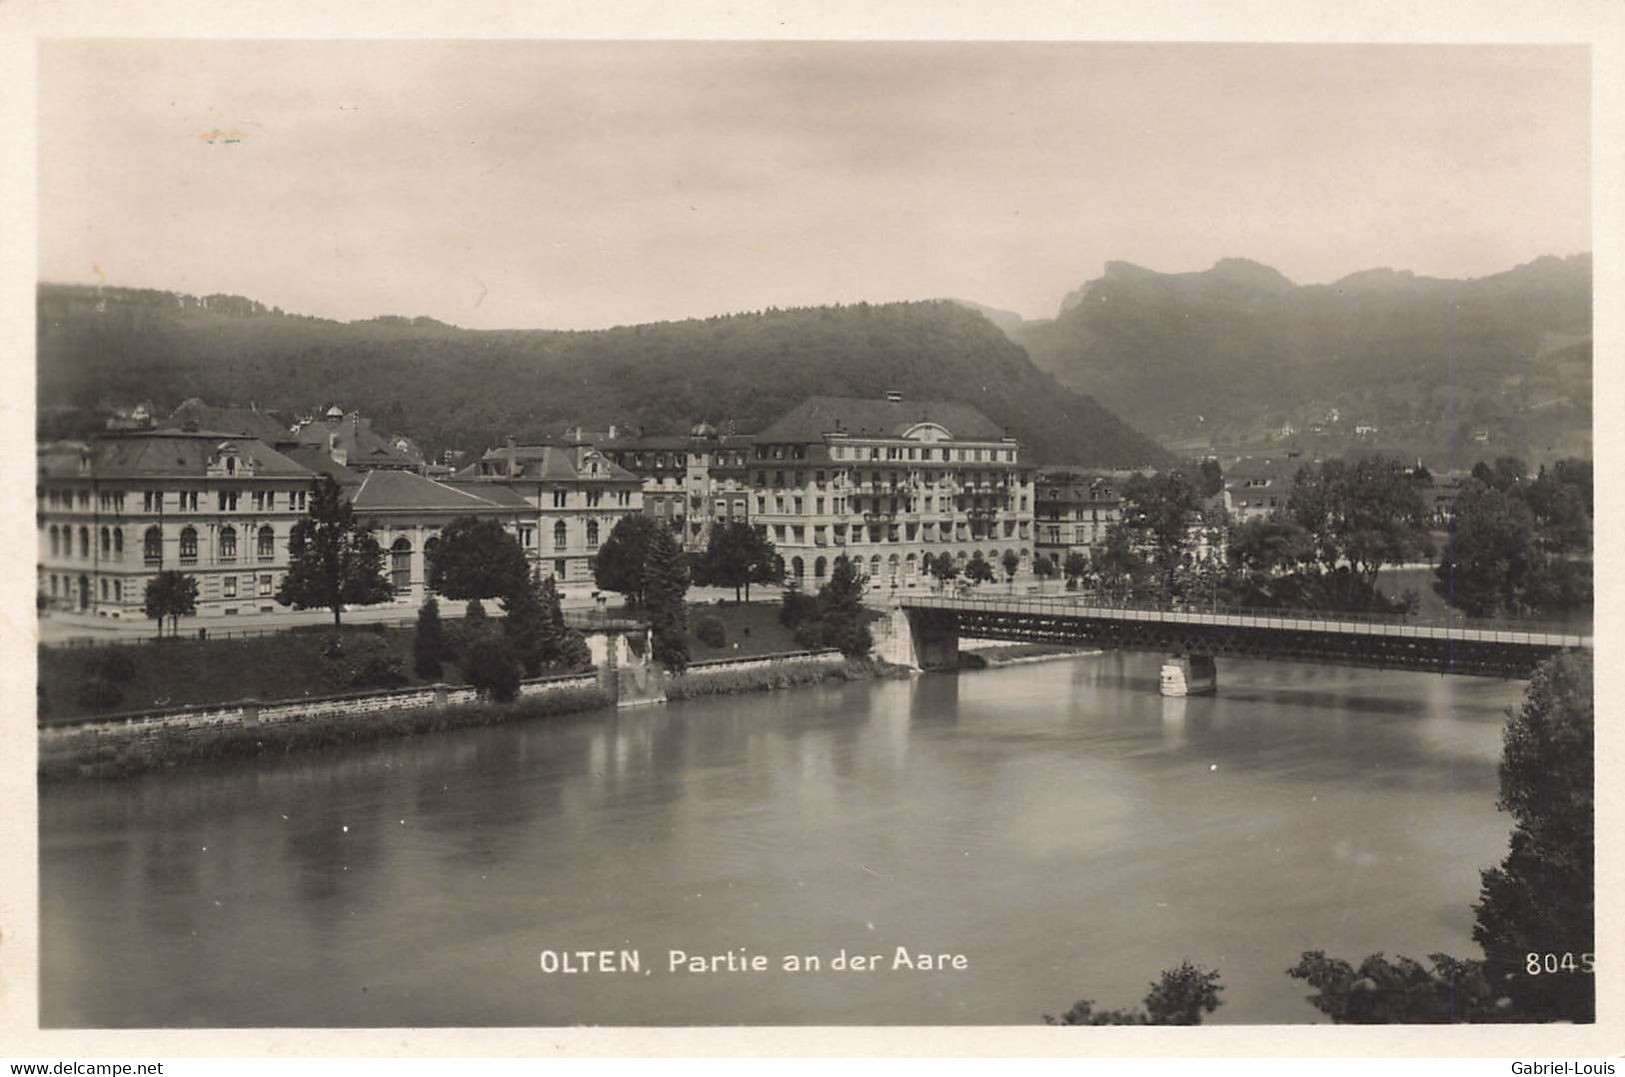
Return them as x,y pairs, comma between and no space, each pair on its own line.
56,540
400,564
84,542
107,542
188,545
267,543
560,536
592,534
818,568
797,568
152,546
911,565
118,543
891,566
874,566
228,544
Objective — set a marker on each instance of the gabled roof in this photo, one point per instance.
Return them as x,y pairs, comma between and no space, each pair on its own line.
820,415
180,454
363,446
494,492
251,422
382,491
547,463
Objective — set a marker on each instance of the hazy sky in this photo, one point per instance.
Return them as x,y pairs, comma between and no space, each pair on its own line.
578,185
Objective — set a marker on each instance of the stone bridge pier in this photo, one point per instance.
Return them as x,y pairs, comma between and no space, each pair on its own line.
1189,675
919,639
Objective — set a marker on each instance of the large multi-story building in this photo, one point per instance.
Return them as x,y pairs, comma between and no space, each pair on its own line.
114,513
575,495
219,506
1072,510
888,482
689,482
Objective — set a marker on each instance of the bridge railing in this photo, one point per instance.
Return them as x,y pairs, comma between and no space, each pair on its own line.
1254,615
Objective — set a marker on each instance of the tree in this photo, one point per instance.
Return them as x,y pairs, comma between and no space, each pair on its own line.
622,558
943,567
1181,996
1075,567
170,594
526,624
1541,898
561,645
1010,562
1210,478
1269,545
977,570
1118,565
333,560
1491,555
490,664
845,621
1160,512
430,647
737,555
1045,568
664,580
477,558
1401,991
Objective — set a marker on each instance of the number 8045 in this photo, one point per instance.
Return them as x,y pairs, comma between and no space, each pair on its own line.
1552,964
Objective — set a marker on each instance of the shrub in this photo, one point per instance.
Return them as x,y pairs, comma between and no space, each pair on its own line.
114,664
99,694
812,634
796,608
363,661
710,632
491,665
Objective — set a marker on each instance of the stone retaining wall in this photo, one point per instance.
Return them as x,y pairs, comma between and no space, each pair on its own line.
207,717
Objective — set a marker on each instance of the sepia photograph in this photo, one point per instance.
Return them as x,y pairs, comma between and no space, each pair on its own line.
540,533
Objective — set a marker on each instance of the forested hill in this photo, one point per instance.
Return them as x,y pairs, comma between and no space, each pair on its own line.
464,389
1238,350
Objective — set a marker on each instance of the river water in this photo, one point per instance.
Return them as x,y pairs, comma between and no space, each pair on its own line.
1061,825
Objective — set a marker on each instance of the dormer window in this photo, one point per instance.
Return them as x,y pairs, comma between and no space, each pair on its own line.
231,465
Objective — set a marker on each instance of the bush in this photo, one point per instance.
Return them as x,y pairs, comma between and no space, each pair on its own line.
710,632
797,608
99,694
115,664
491,665
812,635
364,661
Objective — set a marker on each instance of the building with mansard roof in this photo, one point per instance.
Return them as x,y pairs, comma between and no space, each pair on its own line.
889,482
690,482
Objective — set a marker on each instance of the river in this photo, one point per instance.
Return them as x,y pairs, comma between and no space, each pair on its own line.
1061,825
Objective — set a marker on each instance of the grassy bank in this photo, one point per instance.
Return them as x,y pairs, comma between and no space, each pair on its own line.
174,672
93,757
773,676
749,629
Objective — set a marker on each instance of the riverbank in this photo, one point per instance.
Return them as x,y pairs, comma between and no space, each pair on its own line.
776,674
994,654
93,755
125,746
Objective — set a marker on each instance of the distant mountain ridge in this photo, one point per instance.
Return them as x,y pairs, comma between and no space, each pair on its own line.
454,388
1233,352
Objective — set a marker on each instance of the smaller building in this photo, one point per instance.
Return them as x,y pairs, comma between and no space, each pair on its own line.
690,482
1255,487
1072,509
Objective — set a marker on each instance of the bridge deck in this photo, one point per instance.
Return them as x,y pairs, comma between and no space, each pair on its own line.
1287,621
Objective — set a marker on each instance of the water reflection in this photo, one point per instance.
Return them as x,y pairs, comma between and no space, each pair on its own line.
1063,824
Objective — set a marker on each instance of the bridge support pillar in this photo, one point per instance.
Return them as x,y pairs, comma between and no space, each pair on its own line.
1189,675
920,639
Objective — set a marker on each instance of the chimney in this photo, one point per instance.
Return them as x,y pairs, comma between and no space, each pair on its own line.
894,396
513,466
611,436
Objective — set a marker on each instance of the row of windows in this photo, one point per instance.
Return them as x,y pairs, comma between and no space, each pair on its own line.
796,505
112,590
796,534
112,543
894,565
888,452
153,501
892,478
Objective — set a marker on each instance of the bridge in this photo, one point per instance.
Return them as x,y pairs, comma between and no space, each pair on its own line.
925,631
